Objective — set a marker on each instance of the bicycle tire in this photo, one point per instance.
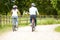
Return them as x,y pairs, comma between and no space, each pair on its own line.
33,27
14,28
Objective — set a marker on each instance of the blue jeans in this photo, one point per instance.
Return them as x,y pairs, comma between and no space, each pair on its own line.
15,20
33,16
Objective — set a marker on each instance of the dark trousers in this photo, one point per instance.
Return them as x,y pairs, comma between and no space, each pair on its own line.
33,16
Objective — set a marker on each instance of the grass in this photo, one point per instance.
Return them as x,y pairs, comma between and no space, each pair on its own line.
5,28
23,21
47,21
57,29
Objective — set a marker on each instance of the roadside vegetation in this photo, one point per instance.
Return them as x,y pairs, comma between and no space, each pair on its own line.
57,29
6,22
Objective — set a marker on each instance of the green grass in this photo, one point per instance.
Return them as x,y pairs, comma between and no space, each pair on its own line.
26,22
47,21
5,28
57,29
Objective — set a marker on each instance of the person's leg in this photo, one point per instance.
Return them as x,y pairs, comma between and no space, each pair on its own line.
17,22
13,21
30,18
35,19
35,22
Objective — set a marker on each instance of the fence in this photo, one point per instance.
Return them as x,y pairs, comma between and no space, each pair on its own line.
7,20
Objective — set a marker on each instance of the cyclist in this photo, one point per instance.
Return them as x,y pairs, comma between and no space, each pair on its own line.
33,11
14,12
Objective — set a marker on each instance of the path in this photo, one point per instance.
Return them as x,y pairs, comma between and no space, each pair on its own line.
42,32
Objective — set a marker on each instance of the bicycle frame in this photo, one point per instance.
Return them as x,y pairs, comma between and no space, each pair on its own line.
14,26
33,24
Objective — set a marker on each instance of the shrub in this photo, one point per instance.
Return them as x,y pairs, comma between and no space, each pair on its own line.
57,29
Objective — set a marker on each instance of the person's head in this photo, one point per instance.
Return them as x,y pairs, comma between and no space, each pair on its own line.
33,4
14,7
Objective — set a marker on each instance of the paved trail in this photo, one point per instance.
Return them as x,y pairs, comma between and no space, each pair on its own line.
42,32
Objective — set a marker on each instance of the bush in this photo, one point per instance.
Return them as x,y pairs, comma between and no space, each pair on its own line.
46,21
57,29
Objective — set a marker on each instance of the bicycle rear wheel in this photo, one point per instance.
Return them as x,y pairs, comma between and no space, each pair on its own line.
14,24
13,28
33,27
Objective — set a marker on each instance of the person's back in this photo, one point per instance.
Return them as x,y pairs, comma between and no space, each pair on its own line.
14,12
33,11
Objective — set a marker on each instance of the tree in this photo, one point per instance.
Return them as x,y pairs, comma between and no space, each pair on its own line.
45,7
56,5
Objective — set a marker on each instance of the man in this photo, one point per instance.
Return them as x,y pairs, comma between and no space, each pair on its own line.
33,11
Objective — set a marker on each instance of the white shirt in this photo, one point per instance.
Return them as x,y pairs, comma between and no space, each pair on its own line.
14,12
33,11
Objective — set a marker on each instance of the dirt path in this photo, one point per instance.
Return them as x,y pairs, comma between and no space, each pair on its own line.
42,32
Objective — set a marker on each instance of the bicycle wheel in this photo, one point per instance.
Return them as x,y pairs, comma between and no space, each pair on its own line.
14,28
33,27
14,24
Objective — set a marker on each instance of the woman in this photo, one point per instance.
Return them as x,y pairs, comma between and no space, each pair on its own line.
14,12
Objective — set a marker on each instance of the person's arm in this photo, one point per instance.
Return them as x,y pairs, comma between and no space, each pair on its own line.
19,14
29,11
37,12
11,12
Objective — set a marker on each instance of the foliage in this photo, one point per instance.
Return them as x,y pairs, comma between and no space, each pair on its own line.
55,4
57,29
45,7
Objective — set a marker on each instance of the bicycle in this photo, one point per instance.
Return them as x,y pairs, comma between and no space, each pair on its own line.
33,25
14,25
